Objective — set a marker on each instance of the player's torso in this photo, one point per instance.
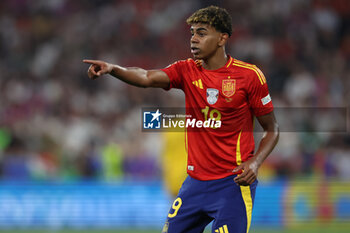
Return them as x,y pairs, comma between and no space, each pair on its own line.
222,91
220,95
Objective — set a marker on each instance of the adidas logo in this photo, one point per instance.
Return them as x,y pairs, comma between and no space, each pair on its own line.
222,229
198,83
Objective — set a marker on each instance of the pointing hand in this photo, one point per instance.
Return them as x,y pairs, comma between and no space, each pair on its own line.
98,68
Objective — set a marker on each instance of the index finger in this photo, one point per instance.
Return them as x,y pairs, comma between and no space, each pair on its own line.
96,62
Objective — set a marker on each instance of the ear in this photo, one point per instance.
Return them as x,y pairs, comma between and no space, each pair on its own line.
223,39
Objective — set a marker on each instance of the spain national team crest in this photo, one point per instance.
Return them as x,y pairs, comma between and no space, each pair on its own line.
228,87
212,95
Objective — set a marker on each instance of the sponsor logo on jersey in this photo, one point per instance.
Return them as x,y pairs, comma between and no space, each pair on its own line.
212,95
228,87
266,99
198,83
190,167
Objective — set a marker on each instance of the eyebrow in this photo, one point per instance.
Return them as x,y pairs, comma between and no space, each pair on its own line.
199,29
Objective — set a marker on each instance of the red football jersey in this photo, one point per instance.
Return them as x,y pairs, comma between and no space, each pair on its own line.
234,94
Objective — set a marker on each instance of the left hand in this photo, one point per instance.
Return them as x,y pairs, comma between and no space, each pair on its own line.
249,174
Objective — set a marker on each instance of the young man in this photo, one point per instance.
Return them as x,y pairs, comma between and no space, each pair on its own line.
222,165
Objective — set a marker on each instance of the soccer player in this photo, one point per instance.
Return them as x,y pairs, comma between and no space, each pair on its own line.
222,166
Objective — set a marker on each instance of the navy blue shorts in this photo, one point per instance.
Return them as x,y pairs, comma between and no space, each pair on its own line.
222,201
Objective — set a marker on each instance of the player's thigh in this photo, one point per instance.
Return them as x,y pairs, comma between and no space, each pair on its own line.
235,213
187,223
186,214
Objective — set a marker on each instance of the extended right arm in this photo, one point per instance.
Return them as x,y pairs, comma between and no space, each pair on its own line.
132,75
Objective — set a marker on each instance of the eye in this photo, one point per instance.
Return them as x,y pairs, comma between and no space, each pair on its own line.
201,33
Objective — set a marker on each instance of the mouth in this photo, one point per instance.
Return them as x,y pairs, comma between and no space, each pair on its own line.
195,50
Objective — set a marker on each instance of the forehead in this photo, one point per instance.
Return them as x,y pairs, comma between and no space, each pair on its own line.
203,26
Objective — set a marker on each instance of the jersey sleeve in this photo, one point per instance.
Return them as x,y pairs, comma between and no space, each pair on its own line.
175,73
258,94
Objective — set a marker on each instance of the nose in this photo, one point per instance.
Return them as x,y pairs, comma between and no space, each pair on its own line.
194,39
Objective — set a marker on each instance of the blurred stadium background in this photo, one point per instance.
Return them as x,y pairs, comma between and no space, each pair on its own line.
73,157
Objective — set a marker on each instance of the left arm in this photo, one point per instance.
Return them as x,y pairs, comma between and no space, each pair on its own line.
267,143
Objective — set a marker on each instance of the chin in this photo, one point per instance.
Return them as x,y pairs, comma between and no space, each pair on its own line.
197,56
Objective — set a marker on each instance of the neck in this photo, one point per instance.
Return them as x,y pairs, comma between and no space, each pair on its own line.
215,61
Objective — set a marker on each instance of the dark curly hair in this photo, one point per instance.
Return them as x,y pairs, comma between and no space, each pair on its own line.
214,16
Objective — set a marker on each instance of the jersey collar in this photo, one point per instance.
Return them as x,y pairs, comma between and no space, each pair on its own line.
226,66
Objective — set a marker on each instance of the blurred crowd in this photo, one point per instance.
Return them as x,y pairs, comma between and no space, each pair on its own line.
55,123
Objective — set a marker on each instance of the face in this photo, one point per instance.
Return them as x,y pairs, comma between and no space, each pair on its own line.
205,40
